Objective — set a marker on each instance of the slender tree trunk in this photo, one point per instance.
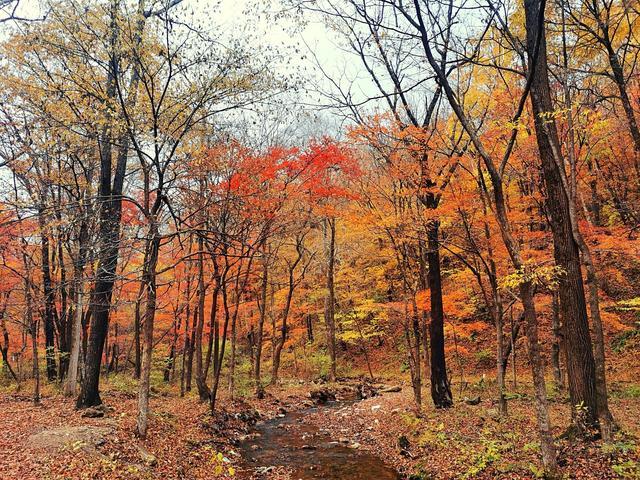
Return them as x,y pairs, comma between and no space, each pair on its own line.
262,304
329,232
218,363
149,316
137,326
212,348
76,322
72,374
309,325
32,325
190,349
201,381
363,345
185,346
440,387
4,348
413,347
540,391
49,298
556,329
621,84
291,285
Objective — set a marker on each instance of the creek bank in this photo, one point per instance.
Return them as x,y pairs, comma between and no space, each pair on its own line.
290,447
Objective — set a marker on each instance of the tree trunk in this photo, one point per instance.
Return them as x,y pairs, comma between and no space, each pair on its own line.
556,342
201,381
49,299
74,358
149,280
329,232
262,304
4,347
137,326
577,340
540,391
190,348
291,285
440,387
76,321
110,211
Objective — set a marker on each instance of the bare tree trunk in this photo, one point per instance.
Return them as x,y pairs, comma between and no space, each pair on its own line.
291,285
329,232
262,305
149,279
537,366
49,298
201,381
76,327
137,326
409,324
556,329
4,348
440,387
190,348
72,374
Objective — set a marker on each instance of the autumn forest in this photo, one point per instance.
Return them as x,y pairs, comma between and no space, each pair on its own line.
319,239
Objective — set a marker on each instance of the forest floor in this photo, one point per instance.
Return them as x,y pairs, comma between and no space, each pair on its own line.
55,441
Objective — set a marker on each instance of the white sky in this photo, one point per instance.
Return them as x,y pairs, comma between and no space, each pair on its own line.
256,22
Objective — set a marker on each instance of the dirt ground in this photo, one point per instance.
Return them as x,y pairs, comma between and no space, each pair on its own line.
54,441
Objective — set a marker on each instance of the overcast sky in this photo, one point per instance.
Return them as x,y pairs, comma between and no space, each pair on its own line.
304,43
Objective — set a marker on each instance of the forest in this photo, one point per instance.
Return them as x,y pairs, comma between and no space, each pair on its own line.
319,239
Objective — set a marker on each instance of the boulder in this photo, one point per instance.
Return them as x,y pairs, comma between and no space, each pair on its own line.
148,458
85,437
393,389
322,395
93,412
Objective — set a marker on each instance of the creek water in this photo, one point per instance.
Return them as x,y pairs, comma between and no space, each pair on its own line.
310,453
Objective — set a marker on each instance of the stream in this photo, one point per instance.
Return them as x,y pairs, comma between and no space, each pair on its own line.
310,453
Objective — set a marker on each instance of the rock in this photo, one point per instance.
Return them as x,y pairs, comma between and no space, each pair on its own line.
394,389
254,447
375,408
367,391
307,447
322,395
403,442
82,437
282,410
264,470
493,414
355,445
343,440
472,401
93,412
147,457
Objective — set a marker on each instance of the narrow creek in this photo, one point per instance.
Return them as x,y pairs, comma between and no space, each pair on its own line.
310,453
